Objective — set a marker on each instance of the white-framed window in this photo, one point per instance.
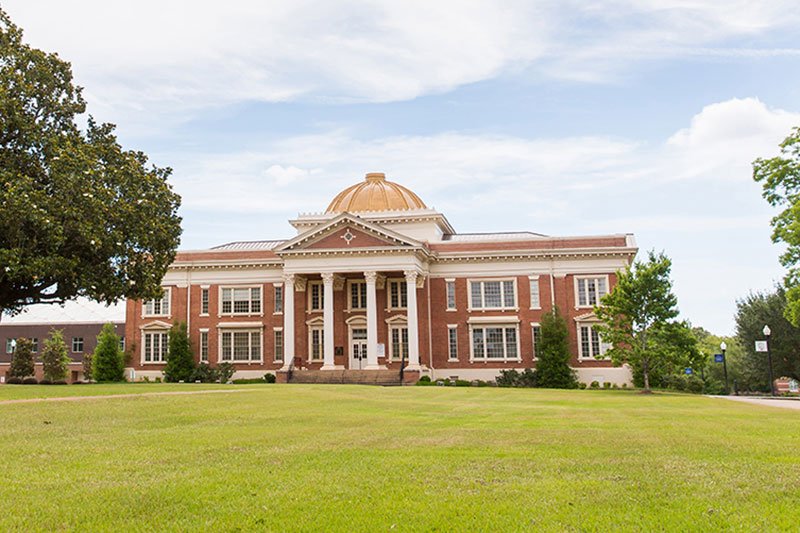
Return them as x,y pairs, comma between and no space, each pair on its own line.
316,296
398,342
397,293
493,294
536,337
122,343
77,344
589,290
278,291
452,343
154,346
204,301
240,300
534,280
240,345
158,307
10,345
591,345
358,295
204,346
450,292
495,342
34,344
316,343
278,334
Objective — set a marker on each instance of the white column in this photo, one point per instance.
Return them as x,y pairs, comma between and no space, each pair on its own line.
288,320
413,322
372,322
327,297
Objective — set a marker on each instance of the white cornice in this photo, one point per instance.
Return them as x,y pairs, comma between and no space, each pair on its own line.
524,255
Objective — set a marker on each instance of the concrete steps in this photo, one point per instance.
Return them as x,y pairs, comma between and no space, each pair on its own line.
350,377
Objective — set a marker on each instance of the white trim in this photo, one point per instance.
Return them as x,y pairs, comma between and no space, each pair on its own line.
316,324
396,325
505,358
156,325
161,331
249,331
283,342
349,295
401,286
533,338
450,282
503,307
510,319
535,279
309,291
167,297
450,358
239,325
604,346
577,277
258,286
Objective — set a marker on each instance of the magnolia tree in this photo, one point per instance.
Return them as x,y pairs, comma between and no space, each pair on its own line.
55,361
79,215
638,319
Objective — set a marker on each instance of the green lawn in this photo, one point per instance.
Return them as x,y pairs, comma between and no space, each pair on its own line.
349,458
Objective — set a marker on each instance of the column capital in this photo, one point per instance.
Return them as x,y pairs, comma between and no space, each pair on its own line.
415,277
328,277
288,278
371,276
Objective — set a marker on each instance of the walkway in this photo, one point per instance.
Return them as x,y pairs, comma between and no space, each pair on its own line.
786,403
107,396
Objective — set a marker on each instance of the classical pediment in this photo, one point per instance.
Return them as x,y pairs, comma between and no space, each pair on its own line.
347,232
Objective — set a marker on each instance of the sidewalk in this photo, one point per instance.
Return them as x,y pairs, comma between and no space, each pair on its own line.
787,403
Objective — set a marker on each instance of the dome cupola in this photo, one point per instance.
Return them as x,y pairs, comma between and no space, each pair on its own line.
375,193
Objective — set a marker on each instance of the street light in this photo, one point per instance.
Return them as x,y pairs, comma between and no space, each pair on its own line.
767,333
724,347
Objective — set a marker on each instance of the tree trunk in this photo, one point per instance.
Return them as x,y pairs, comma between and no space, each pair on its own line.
646,373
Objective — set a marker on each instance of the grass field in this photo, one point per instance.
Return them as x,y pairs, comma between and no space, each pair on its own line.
349,458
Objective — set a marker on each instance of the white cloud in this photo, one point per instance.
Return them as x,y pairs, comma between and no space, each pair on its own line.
154,58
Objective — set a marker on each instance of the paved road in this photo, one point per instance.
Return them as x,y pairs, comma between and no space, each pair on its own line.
782,402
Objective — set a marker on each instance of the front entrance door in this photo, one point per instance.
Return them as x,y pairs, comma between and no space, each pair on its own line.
358,348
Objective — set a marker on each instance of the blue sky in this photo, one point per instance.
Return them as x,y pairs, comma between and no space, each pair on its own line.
559,117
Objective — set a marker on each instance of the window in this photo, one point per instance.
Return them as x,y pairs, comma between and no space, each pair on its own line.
154,347
77,344
203,301
398,296
793,386
592,346
240,346
493,294
278,345
316,296
10,345
241,300
534,292
316,347
494,343
122,343
590,290
452,348
34,344
450,289
399,343
358,295
536,335
204,346
158,307
278,298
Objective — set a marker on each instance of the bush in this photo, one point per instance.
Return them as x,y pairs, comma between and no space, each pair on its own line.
107,362
248,381
269,378
595,385
14,381
607,385
55,361
45,382
624,385
158,380
204,373
29,381
60,382
424,383
78,382
180,359
508,378
426,379
22,364
552,369
225,372
582,385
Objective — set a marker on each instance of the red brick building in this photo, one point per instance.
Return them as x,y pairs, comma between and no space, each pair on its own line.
378,281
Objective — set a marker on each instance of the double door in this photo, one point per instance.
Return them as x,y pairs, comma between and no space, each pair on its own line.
358,348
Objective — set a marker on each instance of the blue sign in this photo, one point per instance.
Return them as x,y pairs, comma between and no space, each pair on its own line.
719,358
688,371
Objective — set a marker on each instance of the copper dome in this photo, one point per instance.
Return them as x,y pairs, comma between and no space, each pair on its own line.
375,194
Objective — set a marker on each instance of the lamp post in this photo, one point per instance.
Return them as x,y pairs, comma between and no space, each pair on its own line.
724,347
767,333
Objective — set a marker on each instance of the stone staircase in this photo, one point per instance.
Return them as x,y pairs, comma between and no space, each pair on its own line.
351,377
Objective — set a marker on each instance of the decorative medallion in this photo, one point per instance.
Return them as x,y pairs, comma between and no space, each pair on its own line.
348,237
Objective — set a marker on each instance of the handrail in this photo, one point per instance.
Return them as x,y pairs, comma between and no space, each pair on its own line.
290,370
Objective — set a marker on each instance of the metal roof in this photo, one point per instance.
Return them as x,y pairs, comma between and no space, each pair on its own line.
248,245
501,236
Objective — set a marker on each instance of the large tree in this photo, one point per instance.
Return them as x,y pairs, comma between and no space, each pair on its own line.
23,363
180,359
752,314
79,216
638,319
780,179
108,363
552,368
55,361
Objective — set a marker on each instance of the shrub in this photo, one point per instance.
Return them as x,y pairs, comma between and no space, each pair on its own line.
269,378
45,381
595,385
625,385
205,373
607,385
552,369
225,372
423,383
528,378
107,362
146,379
507,378
14,381
29,381
78,382
582,385
426,379
180,359
158,380
22,364
463,383
87,365
55,361
60,382
247,381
